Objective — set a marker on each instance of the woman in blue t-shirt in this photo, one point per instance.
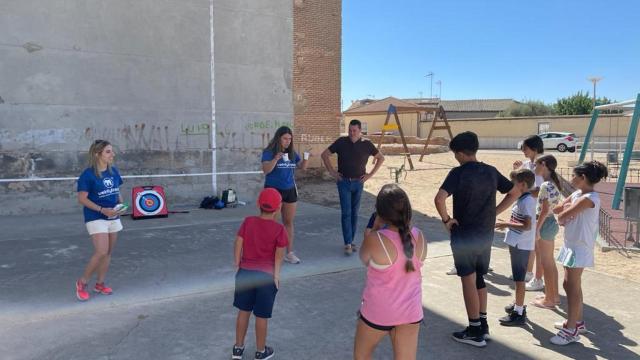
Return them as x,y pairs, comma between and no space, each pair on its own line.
279,162
99,193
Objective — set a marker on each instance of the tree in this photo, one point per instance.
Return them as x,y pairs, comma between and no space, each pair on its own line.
527,108
604,101
577,104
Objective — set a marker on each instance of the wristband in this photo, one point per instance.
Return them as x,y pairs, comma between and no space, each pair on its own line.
445,222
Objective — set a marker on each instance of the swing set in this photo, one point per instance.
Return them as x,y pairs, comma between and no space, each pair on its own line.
628,150
439,115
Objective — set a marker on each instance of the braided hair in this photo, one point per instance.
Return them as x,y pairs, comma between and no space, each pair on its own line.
392,205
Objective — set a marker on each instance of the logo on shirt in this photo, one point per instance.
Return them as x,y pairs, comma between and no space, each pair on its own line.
107,182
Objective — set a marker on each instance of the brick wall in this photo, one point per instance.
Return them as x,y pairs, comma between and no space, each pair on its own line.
317,41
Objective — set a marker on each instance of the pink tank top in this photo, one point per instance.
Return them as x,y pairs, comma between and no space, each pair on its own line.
393,296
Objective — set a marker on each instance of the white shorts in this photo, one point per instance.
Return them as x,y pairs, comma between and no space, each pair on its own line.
102,226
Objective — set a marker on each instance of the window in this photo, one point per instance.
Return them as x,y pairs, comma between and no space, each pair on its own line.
543,127
364,128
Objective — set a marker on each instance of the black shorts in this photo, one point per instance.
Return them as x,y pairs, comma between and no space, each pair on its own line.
381,327
471,257
519,262
288,195
255,291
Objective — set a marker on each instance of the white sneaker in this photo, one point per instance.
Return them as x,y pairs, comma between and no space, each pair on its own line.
582,328
452,271
291,258
534,285
565,337
528,277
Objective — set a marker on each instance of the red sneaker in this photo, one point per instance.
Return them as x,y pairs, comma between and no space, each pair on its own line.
81,291
100,288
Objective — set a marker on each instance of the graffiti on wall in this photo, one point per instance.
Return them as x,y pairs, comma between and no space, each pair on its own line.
316,139
195,129
267,125
136,137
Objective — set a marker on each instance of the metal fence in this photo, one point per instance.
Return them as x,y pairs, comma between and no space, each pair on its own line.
633,174
605,229
610,236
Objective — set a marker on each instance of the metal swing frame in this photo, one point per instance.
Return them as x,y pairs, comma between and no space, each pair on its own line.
631,137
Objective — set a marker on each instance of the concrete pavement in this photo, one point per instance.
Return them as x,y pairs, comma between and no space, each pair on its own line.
173,285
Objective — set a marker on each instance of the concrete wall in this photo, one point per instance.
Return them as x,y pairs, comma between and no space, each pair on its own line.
253,85
504,133
139,75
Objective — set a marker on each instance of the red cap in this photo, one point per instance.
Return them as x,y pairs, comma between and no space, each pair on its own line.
269,200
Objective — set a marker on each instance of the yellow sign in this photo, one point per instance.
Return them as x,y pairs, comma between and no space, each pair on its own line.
390,127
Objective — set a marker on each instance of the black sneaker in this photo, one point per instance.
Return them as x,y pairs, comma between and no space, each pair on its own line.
266,354
237,353
467,336
514,319
509,308
485,328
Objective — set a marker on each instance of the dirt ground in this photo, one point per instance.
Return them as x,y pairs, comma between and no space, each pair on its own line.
423,183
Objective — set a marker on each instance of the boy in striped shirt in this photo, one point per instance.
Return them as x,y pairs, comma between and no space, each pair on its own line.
521,238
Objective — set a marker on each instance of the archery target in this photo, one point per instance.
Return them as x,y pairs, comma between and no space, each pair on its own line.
149,201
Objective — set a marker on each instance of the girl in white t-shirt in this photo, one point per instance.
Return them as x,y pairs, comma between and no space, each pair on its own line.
532,147
579,215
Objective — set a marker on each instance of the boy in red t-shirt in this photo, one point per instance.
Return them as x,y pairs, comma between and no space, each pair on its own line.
259,248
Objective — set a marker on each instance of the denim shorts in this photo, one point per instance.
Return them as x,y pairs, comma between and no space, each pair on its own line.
549,228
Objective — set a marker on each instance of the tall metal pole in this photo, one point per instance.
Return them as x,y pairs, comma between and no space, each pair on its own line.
594,80
439,83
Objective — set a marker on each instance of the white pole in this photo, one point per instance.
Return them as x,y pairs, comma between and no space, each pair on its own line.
214,169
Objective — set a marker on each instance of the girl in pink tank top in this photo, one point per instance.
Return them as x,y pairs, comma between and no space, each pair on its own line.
392,297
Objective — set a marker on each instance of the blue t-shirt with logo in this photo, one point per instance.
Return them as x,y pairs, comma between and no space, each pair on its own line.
282,176
104,191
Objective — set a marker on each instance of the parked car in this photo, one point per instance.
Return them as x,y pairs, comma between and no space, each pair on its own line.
561,141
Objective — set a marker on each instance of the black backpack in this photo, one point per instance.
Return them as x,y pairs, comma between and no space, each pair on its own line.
209,202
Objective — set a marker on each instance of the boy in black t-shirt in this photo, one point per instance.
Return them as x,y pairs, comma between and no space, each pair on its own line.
473,186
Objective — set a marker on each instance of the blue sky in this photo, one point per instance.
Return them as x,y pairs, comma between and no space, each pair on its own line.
539,50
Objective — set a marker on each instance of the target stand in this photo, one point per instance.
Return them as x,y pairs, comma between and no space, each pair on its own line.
148,202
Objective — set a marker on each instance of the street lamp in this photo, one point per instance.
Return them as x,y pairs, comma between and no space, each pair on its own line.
430,76
594,80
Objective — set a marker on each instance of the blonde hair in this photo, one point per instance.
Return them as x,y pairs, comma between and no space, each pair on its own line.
96,148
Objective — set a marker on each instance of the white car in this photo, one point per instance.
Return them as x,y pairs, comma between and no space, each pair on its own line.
561,141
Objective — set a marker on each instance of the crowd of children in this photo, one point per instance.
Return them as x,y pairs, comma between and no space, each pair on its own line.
393,250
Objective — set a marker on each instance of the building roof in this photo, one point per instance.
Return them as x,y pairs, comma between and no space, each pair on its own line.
473,105
381,106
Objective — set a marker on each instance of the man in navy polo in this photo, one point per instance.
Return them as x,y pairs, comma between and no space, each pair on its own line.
353,153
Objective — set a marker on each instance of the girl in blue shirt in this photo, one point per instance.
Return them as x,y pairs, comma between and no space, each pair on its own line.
99,193
279,162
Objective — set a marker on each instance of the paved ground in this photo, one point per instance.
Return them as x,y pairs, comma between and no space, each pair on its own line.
173,284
